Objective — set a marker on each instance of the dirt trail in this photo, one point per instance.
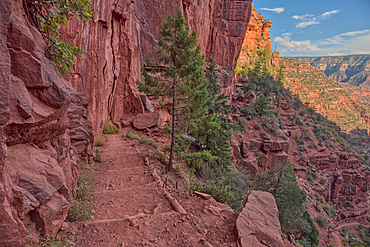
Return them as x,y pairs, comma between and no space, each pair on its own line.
131,209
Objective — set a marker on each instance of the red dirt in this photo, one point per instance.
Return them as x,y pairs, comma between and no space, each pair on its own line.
130,209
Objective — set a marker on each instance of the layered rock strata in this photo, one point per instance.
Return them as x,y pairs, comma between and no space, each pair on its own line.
124,33
44,131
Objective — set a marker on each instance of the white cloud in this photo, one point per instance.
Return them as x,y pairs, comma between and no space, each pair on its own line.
287,44
308,19
276,10
327,14
286,34
355,42
344,37
304,24
301,17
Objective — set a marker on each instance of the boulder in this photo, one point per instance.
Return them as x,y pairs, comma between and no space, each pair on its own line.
146,120
258,222
248,96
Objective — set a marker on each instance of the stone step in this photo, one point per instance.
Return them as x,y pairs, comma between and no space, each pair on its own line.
122,178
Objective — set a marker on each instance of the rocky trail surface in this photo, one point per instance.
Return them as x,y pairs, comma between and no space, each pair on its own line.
131,206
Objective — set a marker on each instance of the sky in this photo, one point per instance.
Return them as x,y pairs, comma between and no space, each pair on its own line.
318,27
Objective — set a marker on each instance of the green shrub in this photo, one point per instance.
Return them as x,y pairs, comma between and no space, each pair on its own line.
306,134
329,210
322,181
134,135
97,157
242,123
320,198
80,207
100,141
321,221
257,126
236,180
318,207
148,141
110,129
218,191
48,241
79,211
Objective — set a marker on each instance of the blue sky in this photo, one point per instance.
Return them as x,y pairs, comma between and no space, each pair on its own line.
318,27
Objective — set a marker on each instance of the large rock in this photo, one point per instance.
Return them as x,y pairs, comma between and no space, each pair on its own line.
146,120
121,35
259,222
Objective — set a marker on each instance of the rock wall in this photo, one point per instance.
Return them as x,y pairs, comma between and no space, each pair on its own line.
123,33
44,131
257,37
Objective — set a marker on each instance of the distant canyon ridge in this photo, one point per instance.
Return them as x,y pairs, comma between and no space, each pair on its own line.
351,69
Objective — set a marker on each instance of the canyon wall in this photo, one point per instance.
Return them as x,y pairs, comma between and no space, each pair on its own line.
123,33
44,133
352,69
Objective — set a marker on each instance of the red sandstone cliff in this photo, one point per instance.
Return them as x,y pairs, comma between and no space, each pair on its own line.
257,37
44,131
123,33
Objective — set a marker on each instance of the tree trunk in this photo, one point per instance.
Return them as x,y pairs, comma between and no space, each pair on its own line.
169,165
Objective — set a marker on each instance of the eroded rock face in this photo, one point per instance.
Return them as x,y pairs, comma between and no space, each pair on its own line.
44,131
259,222
123,33
257,37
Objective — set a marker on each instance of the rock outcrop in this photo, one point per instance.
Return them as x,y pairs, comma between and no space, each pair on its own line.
257,37
44,131
258,223
123,33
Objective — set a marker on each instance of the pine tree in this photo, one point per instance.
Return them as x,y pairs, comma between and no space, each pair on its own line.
218,140
182,79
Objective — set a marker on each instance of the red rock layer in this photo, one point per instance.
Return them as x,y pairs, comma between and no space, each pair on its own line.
43,132
257,37
123,33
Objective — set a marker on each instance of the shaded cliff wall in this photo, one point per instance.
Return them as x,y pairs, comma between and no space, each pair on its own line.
123,33
43,132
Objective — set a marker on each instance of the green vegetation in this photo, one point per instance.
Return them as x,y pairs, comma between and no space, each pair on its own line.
330,99
97,157
321,221
110,129
352,240
218,191
47,16
80,204
134,135
282,183
182,80
200,130
100,141
48,241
